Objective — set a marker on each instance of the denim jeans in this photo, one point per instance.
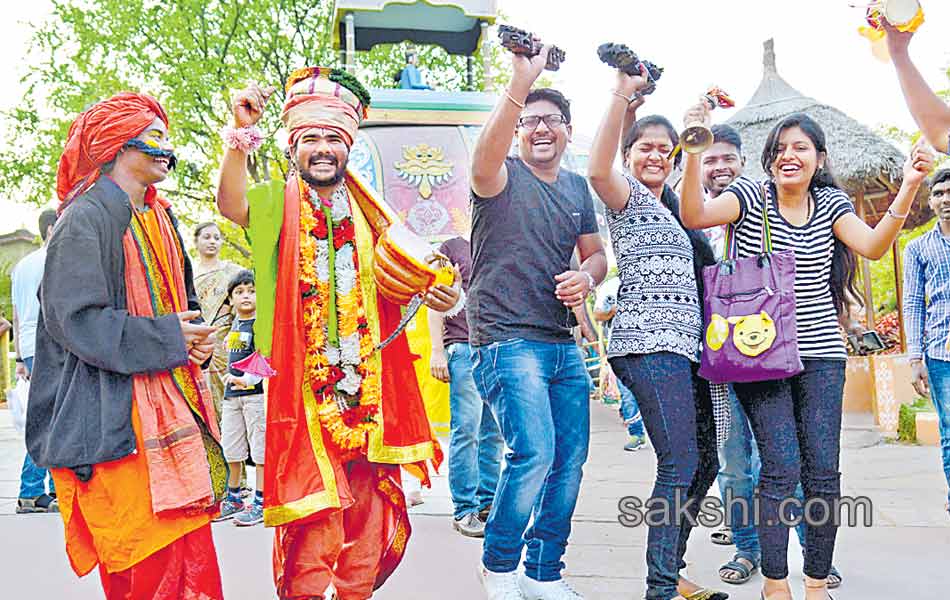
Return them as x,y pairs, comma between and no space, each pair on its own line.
739,471
738,478
797,426
677,411
476,445
938,373
33,478
539,393
630,411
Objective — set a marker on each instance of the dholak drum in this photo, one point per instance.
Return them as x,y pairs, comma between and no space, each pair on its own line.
905,15
404,265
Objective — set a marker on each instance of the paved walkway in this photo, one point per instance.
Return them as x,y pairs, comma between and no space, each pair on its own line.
904,555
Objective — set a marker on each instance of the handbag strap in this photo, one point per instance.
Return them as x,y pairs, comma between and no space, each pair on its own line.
766,227
730,250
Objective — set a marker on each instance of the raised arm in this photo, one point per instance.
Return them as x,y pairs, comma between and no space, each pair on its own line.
611,186
929,111
695,211
247,107
874,243
489,174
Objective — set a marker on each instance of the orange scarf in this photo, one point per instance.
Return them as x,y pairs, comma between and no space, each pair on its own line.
180,434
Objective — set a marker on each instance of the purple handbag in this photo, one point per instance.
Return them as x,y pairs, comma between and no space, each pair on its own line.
751,332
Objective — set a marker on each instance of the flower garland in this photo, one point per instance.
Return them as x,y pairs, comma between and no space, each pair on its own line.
345,384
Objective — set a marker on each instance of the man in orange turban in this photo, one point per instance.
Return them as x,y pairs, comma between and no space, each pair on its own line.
341,414
119,410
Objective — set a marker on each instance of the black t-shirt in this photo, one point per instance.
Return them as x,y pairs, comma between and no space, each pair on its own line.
521,239
459,252
240,344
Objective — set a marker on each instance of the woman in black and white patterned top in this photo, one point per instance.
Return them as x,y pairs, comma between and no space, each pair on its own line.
655,341
797,420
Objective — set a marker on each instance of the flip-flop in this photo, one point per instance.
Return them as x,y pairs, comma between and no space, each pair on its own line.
706,594
721,537
745,573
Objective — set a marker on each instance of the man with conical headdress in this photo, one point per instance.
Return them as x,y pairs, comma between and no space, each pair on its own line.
119,410
341,415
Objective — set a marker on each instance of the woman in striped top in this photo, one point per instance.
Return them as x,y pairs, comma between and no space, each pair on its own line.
797,421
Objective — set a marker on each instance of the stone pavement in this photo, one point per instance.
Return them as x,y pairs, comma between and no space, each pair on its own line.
904,555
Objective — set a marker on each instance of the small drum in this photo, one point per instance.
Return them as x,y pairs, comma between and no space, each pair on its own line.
905,15
404,264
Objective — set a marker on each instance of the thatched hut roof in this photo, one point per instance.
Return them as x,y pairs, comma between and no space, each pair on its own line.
864,163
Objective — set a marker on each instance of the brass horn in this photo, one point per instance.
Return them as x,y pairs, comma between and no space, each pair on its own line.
697,138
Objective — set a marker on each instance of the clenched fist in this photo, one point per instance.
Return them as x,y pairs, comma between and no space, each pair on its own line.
248,104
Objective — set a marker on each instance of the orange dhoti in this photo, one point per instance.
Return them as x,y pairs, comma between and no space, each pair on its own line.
109,522
355,548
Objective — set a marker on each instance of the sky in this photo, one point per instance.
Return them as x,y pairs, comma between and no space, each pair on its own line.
700,43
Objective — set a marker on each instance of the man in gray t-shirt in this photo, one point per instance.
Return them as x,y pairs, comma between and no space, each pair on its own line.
528,215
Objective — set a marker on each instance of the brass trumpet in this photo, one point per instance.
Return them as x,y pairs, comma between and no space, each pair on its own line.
697,138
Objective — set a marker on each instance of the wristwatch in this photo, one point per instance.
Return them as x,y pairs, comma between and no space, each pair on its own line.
18,359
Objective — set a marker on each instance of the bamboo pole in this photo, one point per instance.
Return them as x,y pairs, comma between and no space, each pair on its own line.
865,268
5,363
899,287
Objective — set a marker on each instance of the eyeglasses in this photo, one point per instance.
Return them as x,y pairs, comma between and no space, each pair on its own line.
550,121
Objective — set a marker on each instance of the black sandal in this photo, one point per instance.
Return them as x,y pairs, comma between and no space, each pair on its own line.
834,578
735,565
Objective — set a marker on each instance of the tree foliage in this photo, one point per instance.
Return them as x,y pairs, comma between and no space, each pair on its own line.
190,54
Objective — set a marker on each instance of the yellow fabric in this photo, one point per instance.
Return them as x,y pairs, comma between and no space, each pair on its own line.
109,519
435,393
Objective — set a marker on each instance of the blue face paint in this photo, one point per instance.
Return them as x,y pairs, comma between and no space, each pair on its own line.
150,150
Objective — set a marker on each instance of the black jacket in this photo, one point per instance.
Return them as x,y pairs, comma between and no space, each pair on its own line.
87,345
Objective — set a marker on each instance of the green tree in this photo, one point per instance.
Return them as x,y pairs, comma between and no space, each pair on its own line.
189,54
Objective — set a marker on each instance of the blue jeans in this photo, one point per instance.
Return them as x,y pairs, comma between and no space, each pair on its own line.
738,477
630,411
797,426
33,478
938,373
476,444
677,411
539,393
739,471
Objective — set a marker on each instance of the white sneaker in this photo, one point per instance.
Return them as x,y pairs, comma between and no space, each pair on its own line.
500,586
546,590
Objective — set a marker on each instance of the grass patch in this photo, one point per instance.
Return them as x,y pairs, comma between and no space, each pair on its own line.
907,420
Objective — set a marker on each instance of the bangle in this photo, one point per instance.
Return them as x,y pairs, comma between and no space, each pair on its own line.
590,282
246,139
627,99
513,101
893,214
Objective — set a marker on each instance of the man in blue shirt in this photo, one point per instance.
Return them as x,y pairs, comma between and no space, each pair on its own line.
927,310
26,277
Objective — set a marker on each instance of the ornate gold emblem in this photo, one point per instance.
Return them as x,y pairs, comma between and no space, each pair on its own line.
424,166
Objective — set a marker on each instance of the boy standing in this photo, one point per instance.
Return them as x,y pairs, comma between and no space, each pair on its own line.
242,411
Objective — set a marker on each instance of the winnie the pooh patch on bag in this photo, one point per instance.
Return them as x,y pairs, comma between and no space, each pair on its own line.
752,334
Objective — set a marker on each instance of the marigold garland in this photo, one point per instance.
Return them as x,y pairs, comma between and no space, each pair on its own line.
348,425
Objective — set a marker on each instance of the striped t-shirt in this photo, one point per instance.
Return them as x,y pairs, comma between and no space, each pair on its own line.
813,244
